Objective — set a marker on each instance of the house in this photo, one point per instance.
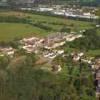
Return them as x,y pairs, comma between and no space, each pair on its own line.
44,9
96,64
59,13
98,75
97,26
29,48
31,44
86,61
30,40
7,51
56,68
55,45
77,56
51,54
98,93
72,37
98,84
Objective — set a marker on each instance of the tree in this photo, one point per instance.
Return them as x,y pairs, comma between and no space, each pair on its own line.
4,61
65,29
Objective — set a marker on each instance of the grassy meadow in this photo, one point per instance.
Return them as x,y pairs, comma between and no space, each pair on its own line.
9,31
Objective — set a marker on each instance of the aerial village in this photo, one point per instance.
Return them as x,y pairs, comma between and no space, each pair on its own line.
66,11
53,42
50,47
49,43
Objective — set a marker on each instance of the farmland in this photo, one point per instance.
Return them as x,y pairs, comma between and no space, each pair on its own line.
41,25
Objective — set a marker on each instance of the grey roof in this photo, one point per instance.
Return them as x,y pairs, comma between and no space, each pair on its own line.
98,89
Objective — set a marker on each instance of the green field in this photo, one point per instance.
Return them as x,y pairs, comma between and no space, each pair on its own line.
9,31
93,53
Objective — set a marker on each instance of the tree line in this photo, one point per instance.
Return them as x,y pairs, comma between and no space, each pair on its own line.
14,19
21,79
89,41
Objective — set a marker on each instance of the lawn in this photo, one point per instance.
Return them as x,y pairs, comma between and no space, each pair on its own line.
9,31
